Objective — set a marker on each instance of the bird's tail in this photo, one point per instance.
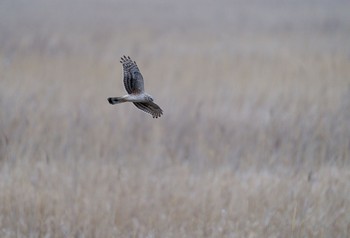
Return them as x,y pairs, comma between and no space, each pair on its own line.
116,100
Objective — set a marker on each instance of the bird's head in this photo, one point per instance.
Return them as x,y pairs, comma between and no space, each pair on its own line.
149,98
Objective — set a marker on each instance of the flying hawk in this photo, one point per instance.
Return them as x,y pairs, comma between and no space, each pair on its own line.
133,82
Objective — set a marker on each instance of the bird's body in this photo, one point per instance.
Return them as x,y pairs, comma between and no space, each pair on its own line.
134,85
131,98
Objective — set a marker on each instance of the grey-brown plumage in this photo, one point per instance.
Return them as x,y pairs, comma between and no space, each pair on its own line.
134,85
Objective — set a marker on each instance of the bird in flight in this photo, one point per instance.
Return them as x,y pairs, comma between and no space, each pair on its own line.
133,83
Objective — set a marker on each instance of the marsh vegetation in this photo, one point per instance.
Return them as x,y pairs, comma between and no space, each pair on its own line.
254,140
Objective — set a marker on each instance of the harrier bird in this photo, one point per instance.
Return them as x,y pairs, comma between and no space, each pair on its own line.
133,82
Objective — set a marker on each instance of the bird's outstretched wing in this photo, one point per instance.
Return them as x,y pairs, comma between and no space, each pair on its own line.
150,107
133,80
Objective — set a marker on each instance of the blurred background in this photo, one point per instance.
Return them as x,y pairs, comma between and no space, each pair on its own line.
254,140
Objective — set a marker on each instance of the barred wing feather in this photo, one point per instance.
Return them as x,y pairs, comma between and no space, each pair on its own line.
150,107
133,80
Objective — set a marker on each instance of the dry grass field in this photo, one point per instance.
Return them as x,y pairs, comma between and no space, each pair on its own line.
254,140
